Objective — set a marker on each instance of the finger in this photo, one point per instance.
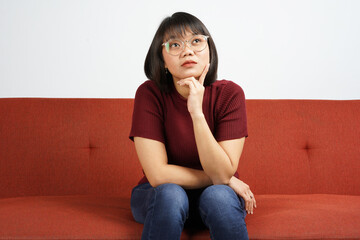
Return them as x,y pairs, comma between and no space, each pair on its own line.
246,206
253,198
251,205
248,203
192,86
254,201
203,75
190,83
185,81
195,82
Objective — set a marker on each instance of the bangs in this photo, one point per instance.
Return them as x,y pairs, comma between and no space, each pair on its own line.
177,28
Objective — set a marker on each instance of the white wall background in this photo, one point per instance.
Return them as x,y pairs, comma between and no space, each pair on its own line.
274,49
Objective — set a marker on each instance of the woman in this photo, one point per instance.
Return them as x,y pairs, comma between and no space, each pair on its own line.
189,131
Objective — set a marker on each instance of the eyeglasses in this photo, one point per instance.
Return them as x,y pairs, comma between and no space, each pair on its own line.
175,46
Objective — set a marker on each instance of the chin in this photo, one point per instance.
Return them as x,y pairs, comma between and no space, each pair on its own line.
194,74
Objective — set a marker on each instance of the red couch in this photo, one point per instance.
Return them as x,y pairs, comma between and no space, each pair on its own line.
67,169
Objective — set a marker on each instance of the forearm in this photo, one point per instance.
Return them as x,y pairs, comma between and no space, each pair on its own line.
214,160
153,159
188,178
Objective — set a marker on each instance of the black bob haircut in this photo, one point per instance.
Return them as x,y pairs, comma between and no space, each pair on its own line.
176,25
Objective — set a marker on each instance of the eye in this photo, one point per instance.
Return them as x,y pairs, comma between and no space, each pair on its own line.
197,40
174,44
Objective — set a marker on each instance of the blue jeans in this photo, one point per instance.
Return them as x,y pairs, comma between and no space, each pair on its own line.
165,210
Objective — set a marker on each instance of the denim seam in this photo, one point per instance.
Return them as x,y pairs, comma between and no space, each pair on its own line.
152,213
202,214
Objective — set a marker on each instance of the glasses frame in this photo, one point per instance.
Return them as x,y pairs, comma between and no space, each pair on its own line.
188,42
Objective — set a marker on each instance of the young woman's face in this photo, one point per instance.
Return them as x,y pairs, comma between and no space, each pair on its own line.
188,63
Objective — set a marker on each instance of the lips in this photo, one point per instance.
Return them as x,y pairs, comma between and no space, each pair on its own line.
188,63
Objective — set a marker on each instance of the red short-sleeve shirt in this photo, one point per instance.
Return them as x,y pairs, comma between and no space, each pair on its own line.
164,117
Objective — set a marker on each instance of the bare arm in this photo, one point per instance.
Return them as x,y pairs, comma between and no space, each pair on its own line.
153,159
219,160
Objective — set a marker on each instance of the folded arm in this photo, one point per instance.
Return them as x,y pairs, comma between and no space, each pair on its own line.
153,159
218,159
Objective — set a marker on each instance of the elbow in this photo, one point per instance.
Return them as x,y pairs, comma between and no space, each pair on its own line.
158,177
156,181
221,180
222,177
153,183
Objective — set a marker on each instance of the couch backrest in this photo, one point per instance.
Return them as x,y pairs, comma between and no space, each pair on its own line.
81,146
66,146
302,146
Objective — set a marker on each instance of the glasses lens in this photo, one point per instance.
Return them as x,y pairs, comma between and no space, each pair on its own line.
175,46
198,43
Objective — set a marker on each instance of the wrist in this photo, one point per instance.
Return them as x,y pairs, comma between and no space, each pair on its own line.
231,181
198,115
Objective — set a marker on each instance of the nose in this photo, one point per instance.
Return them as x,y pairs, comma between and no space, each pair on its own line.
187,50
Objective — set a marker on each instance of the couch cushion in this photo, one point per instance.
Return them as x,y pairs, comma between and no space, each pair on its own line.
72,217
91,217
313,216
67,217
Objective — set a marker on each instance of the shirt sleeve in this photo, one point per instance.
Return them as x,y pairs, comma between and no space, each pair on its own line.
147,119
231,120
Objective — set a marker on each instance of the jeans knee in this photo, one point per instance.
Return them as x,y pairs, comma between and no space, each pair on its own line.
172,193
218,195
173,198
220,200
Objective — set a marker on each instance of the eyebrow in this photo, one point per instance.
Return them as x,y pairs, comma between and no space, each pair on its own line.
173,36
178,36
